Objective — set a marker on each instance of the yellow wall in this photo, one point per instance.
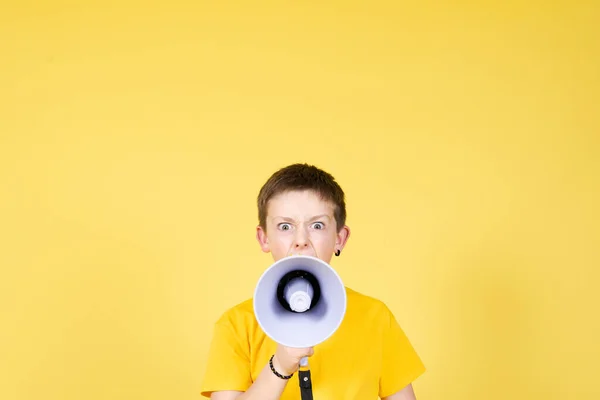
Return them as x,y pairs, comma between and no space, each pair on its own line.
134,138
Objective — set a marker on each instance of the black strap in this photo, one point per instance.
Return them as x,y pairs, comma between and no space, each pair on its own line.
305,384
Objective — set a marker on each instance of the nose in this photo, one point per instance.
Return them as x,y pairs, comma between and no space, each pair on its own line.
301,240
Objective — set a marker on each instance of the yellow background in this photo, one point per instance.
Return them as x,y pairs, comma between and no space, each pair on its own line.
134,137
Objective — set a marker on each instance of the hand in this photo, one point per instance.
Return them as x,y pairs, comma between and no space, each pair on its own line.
287,359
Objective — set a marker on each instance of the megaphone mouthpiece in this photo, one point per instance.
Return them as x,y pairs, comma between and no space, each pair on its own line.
298,291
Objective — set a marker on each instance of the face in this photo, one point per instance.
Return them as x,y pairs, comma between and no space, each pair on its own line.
300,223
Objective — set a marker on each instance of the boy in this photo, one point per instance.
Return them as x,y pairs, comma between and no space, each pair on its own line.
302,210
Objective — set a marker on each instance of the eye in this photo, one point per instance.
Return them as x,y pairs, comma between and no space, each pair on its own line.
318,225
285,226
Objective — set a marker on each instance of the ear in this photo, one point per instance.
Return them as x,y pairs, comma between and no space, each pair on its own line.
263,241
342,237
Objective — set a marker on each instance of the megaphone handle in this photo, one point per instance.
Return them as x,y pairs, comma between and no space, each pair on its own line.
305,381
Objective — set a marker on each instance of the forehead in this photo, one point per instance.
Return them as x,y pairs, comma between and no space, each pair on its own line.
299,204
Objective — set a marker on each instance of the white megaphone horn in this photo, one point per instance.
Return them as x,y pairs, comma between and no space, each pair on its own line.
300,301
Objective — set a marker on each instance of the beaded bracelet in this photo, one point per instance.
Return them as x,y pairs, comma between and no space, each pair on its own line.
275,372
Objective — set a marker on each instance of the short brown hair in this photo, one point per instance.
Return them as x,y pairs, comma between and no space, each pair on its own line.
303,177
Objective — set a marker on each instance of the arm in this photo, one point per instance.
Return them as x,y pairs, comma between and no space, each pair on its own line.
401,364
405,394
268,386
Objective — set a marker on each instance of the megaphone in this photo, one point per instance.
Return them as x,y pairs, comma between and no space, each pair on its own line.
299,301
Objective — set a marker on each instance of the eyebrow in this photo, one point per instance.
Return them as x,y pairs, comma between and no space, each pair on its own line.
312,219
319,217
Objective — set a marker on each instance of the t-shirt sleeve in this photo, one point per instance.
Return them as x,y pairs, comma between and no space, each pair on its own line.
401,363
228,366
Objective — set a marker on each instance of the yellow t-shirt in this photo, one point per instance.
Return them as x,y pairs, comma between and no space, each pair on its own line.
368,356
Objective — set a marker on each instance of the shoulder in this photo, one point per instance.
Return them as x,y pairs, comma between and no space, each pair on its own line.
364,300
239,314
368,306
